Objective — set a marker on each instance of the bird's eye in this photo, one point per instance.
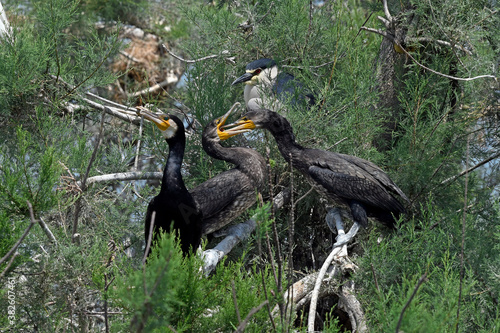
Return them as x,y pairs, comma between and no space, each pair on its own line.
244,118
257,71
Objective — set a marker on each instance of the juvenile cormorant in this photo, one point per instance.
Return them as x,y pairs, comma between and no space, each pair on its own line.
174,205
345,180
267,87
224,197
227,195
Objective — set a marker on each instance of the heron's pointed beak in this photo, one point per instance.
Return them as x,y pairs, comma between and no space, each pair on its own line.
160,120
223,135
244,78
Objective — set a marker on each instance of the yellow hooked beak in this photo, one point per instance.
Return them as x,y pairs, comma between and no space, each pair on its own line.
221,132
162,121
241,125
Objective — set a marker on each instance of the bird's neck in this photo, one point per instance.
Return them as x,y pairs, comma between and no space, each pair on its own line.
285,139
172,178
229,154
287,145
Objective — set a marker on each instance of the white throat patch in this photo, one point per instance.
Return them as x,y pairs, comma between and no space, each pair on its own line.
171,130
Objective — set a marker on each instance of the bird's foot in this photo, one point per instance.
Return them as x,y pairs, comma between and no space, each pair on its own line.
346,238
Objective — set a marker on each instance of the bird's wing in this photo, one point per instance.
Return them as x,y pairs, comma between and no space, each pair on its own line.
213,195
343,178
377,174
288,87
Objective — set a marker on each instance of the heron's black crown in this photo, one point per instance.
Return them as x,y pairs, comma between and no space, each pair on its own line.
261,63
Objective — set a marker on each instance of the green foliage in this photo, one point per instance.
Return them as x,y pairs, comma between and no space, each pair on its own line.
117,10
48,148
22,60
43,46
395,265
171,291
151,294
31,175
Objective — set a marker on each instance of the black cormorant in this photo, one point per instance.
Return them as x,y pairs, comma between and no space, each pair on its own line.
224,197
346,180
267,87
174,205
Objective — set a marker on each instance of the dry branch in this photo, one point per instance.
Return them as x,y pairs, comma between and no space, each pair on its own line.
171,79
338,251
241,327
419,283
349,303
388,22
114,109
84,181
47,231
223,53
386,11
4,22
120,176
300,292
466,171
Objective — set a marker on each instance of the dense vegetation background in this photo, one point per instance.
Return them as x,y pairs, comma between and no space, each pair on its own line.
411,86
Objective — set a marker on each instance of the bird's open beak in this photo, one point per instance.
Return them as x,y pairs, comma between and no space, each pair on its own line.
160,120
242,125
245,77
221,132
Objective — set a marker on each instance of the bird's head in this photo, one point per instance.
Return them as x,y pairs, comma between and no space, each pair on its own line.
259,118
259,71
214,131
168,125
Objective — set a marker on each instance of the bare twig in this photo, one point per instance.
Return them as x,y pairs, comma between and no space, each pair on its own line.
391,38
419,283
386,11
438,41
379,32
4,23
106,286
337,251
150,237
120,111
116,112
129,56
466,171
300,292
233,288
305,195
120,176
47,231
385,21
171,79
375,278
14,256
349,303
84,179
291,232
223,53
242,326
445,75
462,245
138,148
16,245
